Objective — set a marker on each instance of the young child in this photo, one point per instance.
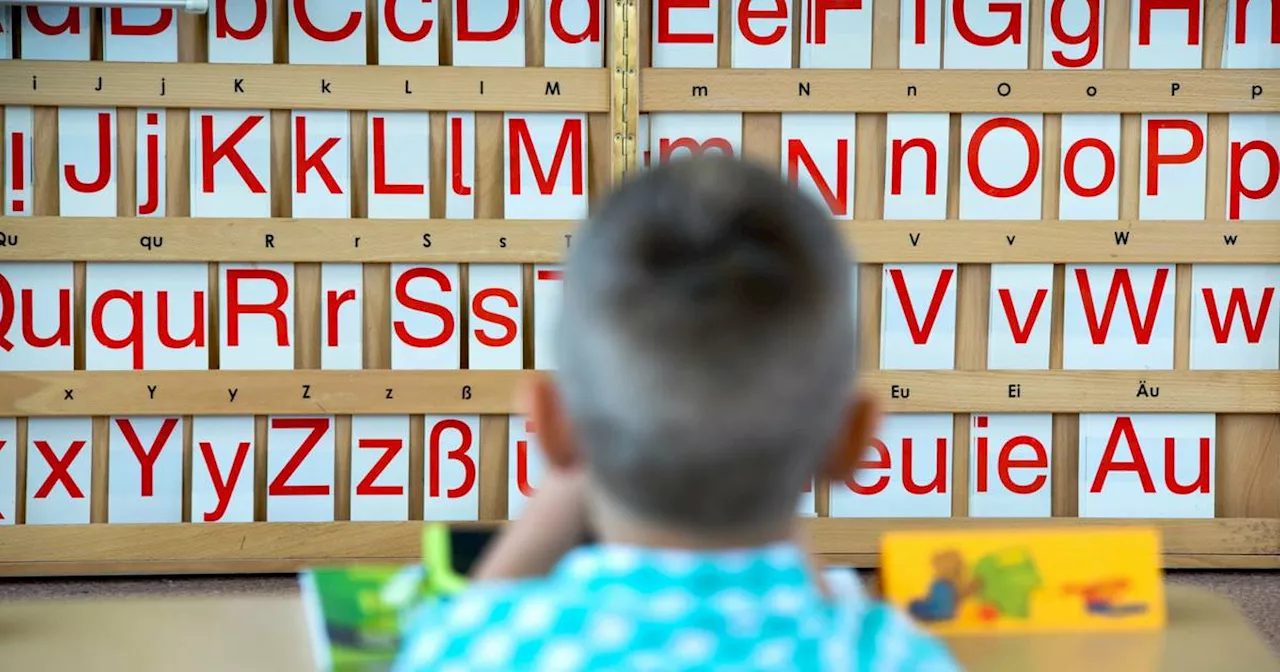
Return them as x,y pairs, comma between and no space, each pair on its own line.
706,372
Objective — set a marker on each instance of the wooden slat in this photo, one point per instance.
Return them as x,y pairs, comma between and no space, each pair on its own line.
35,550
359,392
350,87
534,241
955,91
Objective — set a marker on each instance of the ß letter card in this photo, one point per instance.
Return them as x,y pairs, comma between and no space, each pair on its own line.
1026,580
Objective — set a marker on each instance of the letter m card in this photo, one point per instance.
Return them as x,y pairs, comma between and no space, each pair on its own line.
546,171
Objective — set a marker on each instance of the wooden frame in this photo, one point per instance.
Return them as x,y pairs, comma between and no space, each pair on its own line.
1246,533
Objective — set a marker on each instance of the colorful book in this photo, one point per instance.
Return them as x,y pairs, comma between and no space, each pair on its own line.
1026,580
356,614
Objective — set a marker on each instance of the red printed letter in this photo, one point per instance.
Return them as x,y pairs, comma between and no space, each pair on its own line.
797,153
665,36
1142,326
221,488
304,21
1238,152
104,160
815,27
1123,427
196,337
303,163
59,469
920,333
1191,7
212,155
380,184
1222,324
393,26
223,28
939,482
119,27
134,337
465,34
746,14
508,324
590,33
153,168
1022,333
570,138
1242,7
71,24
1090,35
1155,159
930,160
881,462
446,317
1201,484
460,454
390,448
147,456
280,484
235,309
333,302
1012,29
1108,167
1033,157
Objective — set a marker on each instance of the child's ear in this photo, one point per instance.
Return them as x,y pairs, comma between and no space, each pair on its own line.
550,422
861,422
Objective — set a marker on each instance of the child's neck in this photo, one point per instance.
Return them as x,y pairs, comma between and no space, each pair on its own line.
614,525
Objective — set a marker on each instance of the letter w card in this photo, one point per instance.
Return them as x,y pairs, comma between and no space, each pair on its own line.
1234,316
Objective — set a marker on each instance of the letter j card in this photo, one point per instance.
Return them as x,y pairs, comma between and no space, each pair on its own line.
1027,580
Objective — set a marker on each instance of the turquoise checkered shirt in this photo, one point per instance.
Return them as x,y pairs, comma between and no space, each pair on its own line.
625,608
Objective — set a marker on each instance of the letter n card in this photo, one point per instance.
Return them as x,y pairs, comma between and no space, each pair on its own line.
1019,581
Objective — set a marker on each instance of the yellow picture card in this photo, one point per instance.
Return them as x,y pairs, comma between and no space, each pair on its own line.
1026,580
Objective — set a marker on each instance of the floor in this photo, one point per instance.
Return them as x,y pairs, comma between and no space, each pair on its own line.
1256,593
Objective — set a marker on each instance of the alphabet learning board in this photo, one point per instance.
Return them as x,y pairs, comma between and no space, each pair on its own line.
270,276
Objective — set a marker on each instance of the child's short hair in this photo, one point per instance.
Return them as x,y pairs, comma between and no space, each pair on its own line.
707,344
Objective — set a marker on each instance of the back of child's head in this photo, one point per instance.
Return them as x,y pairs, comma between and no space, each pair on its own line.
707,344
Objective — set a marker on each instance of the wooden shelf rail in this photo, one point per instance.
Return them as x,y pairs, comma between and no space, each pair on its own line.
957,91
534,241
82,393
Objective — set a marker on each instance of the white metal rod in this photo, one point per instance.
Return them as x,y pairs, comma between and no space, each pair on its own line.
194,6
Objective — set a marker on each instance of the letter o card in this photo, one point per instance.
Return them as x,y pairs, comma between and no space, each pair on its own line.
255,316
1073,31
488,32
451,491
546,171
323,32
8,470
496,317
36,327
525,464
1172,167
59,470
685,33
1089,188
145,470
87,160
685,134
1165,34
408,32
573,34
425,316
140,35
1001,177
918,320
1234,316
1010,465
986,35
548,297
1021,316
55,33
379,467
906,472
300,468
222,469
146,316
1152,465
1118,317
241,31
